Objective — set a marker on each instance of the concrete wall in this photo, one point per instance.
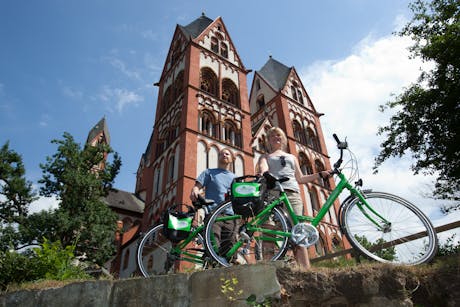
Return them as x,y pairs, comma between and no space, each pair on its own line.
280,286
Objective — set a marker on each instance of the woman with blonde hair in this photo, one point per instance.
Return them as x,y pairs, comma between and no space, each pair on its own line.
282,164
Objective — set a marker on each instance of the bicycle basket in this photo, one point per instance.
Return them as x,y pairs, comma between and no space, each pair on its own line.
177,224
246,196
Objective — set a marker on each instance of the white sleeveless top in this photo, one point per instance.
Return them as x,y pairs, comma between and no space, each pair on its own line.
276,168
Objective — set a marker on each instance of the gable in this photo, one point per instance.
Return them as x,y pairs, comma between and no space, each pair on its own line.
216,39
294,89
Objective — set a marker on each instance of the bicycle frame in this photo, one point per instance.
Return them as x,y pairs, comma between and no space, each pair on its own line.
180,250
259,219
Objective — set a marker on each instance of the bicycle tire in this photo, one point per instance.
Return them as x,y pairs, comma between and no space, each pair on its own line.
409,238
255,247
154,256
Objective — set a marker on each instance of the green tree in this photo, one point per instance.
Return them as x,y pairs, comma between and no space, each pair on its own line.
80,178
427,116
16,194
384,253
15,190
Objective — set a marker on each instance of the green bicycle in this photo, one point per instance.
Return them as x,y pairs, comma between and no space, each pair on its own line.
379,225
172,242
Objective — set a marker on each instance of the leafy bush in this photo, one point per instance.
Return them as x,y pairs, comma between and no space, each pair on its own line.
49,261
450,247
54,262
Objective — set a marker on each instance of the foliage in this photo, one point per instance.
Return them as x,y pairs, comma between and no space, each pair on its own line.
337,262
229,289
450,247
49,261
384,253
80,178
427,113
15,196
54,262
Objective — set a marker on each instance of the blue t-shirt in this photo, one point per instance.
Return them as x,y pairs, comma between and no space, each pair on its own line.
217,182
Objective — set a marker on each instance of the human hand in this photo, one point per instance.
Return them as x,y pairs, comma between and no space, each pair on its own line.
325,174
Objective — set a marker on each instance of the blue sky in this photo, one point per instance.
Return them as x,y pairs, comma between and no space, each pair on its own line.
66,64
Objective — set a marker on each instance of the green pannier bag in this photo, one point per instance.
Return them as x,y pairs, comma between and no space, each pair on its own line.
246,196
177,224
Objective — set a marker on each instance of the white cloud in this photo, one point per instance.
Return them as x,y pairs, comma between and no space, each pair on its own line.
121,98
149,34
122,67
349,91
44,203
71,93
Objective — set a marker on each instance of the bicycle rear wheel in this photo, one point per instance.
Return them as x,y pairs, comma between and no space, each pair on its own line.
405,236
157,255
229,241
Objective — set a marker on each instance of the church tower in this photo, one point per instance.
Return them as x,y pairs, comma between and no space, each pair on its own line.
278,98
202,107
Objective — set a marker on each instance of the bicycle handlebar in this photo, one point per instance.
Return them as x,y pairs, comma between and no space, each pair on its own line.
340,145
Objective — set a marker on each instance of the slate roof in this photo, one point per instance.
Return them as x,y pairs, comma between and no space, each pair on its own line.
197,26
100,126
124,200
275,73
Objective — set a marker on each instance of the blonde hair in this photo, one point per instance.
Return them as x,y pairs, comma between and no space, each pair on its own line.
279,131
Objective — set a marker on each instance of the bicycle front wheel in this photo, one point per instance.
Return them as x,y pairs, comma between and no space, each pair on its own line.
390,230
230,239
157,255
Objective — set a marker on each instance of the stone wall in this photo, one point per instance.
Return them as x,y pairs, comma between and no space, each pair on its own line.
274,284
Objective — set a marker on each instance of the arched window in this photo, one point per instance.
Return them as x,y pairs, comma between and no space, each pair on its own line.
173,131
208,81
166,100
223,50
323,182
171,165
262,144
312,140
294,92
207,124
299,94
175,53
320,247
230,134
260,101
178,84
218,46
298,134
314,199
230,92
215,44
336,243
305,165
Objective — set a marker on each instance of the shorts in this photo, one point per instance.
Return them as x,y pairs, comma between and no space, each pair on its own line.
294,199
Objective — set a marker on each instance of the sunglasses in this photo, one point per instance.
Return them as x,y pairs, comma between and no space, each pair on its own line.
283,161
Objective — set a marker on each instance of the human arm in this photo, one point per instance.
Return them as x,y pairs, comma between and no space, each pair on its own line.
301,178
262,165
196,190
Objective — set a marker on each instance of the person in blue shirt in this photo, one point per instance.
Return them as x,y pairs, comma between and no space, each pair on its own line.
216,182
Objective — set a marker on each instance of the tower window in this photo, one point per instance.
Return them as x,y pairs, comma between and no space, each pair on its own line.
294,92
223,50
214,44
260,101
208,81
218,46
230,92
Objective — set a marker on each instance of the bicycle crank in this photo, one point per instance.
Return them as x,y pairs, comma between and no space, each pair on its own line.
304,234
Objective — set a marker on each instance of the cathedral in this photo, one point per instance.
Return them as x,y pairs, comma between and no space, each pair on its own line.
203,105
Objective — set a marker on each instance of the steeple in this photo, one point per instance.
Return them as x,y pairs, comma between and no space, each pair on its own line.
100,132
275,73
